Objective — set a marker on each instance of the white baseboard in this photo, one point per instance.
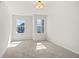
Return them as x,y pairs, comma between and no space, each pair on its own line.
20,40
76,52
3,53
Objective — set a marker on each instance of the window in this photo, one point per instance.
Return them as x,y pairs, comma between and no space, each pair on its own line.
40,26
20,26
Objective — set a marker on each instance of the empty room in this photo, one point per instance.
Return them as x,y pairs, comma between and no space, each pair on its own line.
39,29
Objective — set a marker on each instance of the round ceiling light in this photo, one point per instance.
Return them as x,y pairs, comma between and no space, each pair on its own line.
40,4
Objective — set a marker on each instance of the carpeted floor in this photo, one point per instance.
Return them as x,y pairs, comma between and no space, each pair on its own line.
33,49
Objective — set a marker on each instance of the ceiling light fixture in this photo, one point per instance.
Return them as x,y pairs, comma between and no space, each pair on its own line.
40,4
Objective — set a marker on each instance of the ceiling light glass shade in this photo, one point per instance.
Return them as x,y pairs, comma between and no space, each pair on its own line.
39,5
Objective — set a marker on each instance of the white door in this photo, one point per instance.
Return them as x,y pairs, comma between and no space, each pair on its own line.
22,27
40,28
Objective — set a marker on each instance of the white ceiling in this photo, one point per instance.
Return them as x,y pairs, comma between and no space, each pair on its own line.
28,7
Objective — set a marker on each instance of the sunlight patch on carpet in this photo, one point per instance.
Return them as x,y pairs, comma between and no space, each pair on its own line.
40,46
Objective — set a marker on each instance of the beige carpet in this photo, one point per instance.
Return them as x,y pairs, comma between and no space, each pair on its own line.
33,49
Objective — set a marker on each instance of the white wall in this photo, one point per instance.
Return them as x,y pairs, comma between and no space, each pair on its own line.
63,25
4,27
